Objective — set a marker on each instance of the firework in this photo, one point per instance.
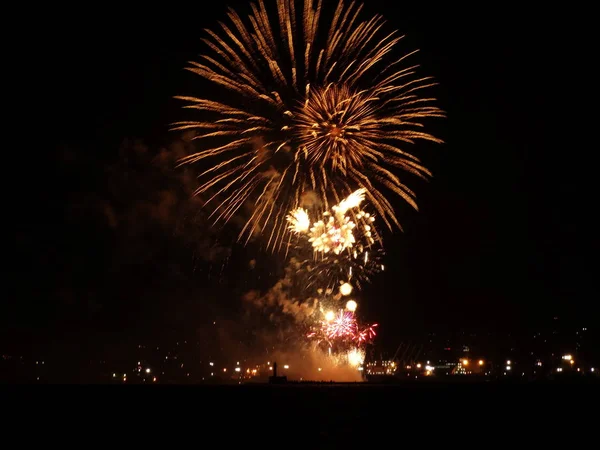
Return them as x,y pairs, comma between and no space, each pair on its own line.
336,241
342,329
342,242
309,109
335,233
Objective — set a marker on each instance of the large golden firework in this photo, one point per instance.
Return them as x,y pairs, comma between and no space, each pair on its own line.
306,114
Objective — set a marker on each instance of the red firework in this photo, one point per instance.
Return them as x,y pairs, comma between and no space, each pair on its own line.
343,328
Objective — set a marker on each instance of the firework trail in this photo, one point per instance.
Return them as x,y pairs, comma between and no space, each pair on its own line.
312,106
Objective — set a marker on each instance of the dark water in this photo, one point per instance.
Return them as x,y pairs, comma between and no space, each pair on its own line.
312,415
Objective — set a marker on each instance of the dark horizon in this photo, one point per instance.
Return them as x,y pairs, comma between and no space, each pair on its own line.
502,240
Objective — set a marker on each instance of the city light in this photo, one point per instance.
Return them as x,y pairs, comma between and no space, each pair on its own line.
172,365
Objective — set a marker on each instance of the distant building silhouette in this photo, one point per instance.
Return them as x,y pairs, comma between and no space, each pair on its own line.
274,379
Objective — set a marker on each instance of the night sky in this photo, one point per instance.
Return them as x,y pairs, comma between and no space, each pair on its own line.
504,238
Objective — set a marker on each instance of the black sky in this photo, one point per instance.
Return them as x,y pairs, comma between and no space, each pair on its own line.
504,237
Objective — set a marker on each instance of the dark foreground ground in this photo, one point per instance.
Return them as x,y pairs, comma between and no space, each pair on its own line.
313,415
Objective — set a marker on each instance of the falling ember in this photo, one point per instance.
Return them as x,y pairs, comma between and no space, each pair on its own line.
323,107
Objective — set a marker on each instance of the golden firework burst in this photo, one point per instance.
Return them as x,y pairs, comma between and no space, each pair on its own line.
307,110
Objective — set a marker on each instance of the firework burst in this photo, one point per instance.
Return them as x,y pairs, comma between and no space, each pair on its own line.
310,108
343,242
342,329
